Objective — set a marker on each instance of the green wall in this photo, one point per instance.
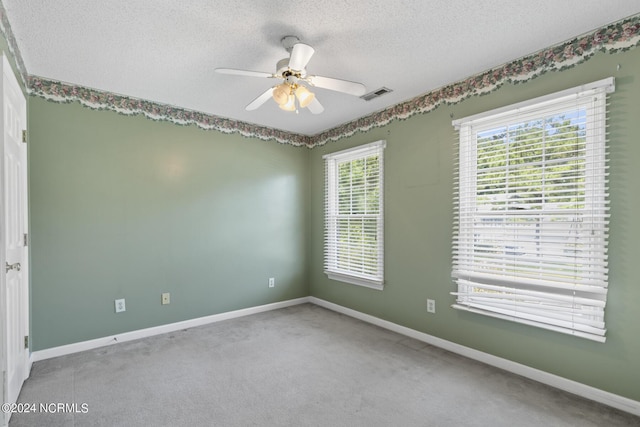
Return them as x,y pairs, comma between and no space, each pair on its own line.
125,207
418,224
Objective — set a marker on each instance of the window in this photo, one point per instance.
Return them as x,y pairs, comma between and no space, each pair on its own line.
354,226
530,236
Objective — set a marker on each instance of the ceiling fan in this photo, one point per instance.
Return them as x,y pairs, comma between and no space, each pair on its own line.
292,71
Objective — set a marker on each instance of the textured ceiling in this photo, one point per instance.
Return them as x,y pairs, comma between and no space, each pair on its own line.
166,50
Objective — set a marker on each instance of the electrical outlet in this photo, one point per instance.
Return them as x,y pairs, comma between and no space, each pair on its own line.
166,298
120,307
431,305
272,282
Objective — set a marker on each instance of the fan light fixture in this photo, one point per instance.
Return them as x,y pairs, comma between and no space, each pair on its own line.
286,95
290,104
304,96
281,93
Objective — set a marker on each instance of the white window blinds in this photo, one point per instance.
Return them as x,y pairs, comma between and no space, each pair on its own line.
354,226
531,205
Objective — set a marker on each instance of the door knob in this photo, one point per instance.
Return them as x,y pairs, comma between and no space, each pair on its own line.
15,266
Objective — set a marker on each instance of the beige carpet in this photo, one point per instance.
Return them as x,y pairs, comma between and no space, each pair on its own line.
299,366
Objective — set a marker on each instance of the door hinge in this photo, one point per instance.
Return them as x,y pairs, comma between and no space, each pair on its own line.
26,341
24,136
26,239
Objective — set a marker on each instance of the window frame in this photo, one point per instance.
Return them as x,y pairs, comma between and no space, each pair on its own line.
467,213
331,251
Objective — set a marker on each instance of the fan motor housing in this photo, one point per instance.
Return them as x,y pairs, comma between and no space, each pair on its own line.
282,66
283,70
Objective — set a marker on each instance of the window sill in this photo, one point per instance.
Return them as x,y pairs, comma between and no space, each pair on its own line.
354,280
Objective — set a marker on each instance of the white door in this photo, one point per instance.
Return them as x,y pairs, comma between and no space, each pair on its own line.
13,231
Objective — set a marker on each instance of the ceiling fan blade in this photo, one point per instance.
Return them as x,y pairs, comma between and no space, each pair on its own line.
300,56
266,95
315,107
352,88
243,72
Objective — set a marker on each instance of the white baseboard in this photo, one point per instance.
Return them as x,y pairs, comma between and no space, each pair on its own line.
583,390
157,330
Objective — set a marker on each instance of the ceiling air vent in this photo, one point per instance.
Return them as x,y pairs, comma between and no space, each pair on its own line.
376,93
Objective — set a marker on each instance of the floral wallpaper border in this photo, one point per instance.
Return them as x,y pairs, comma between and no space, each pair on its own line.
100,100
619,36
